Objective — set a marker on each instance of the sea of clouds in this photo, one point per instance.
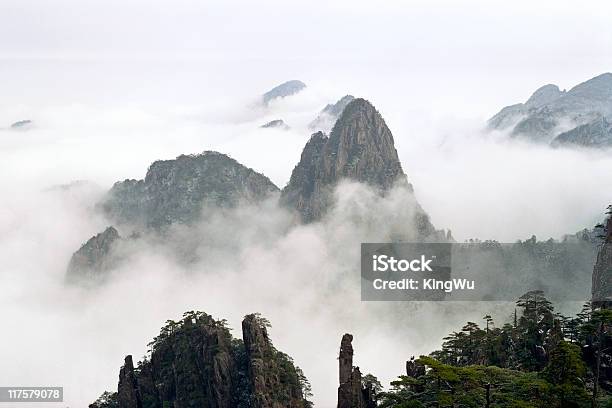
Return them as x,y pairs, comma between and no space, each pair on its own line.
304,279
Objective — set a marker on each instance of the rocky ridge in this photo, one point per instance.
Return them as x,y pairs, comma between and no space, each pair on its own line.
330,114
360,148
176,191
550,112
275,124
195,362
95,256
597,133
22,124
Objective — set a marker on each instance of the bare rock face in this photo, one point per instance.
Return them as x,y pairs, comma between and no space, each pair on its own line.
602,271
95,256
414,369
175,191
195,362
351,392
128,394
360,148
270,386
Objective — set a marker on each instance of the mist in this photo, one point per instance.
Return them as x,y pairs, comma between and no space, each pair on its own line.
253,259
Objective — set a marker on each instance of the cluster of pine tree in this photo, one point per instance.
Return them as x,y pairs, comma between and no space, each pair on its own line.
539,359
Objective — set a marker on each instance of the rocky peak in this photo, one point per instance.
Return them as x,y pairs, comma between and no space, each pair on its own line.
338,107
601,289
598,88
283,90
351,392
128,394
329,115
268,388
345,358
360,148
195,362
175,191
95,256
549,112
544,95
275,124
22,124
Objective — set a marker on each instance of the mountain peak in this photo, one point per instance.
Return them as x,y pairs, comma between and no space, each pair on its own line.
549,111
95,256
544,95
283,90
598,88
175,191
330,113
360,148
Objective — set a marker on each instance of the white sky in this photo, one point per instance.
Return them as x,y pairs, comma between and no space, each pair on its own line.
449,55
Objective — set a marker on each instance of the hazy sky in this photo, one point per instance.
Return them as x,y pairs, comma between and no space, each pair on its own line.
450,55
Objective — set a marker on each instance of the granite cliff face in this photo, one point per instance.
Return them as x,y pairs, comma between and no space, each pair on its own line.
602,271
176,191
270,387
283,90
550,111
360,148
95,256
196,363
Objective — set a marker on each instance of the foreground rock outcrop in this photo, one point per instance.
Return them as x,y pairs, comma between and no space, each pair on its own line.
196,363
351,392
359,148
550,112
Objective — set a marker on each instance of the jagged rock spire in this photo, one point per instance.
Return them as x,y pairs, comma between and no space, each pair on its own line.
128,394
601,289
360,148
351,393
